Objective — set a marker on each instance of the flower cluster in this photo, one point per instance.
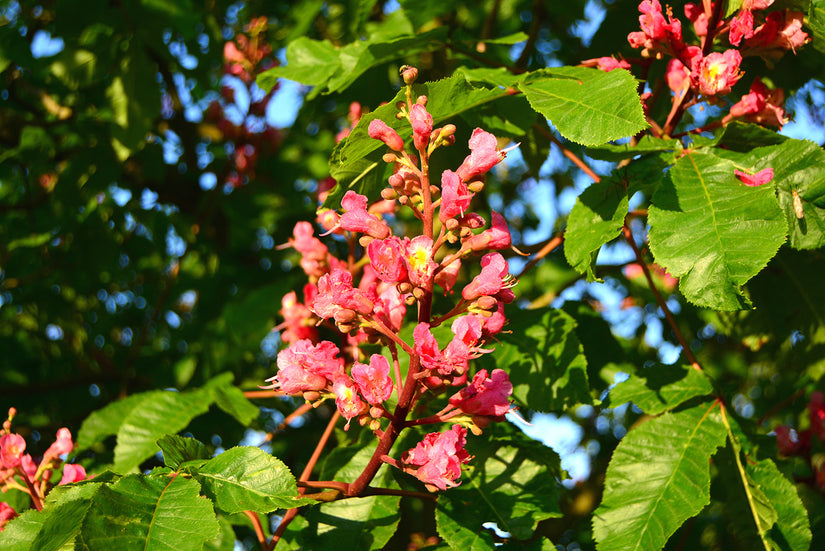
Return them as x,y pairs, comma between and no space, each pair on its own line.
20,471
808,443
246,56
711,74
367,297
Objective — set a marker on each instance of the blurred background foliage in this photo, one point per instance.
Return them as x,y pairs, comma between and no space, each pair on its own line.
146,184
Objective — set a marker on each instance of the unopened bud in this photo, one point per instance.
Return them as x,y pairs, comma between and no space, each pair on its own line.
404,287
476,186
465,233
365,240
451,237
434,190
486,303
376,412
363,420
422,100
388,194
418,293
312,396
448,130
345,315
375,424
389,158
409,300
403,199
346,327
409,74
452,224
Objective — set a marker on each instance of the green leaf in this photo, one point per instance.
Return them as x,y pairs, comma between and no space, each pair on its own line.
816,22
354,524
57,525
356,162
713,232
596,218
661,388
248,479
231,399
165,413
177,449
106,421
510,483
791,530
657,478
798,165
311,62
648,144
743,137
587,106
544,359
146,512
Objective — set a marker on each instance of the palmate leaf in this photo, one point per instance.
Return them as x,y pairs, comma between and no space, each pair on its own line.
587,106
355,524
658,478
713,232
596,218
149,512
248,479
511,483
791,530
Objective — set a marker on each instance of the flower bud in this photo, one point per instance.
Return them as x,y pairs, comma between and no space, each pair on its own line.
312,396
375,424
409,74
418,293
365,240
379,130
486,303
345,315
389,158
404,287
388,194
409,300
422,100
376,412
475,186
452,224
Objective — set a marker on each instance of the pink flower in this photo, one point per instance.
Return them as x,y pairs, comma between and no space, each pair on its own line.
466,335
496,237
7,513
696,15
72,473
373,380
494,280
335,293
298,320
484,155
779,32
62,445
741,26
390,308
656,32
29,466
422,125
607,64
448,275
419,260
303,367
12,447
426,346
791,36
455,197
346,398
379,130
677,76
761,105
752,180
495,323
387,259
485,396
439,457
357,219
754,5
313,252
716,73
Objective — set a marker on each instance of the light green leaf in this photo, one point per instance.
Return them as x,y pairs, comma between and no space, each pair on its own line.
658,478
713,232
587,106
311,62
661,388
149,513
544,359
355,524
106,421
231,399
510,483
166,413
816,22
791,530
248,479
596,218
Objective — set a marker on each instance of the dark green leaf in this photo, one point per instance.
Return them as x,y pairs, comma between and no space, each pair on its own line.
647,144
658,478
177,449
